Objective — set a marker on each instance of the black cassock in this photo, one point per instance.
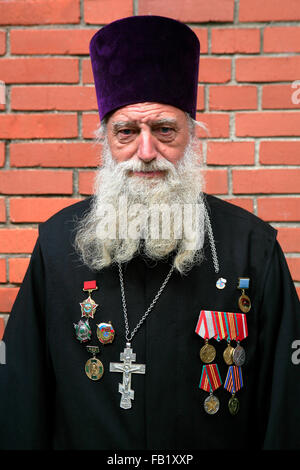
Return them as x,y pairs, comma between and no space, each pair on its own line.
48,402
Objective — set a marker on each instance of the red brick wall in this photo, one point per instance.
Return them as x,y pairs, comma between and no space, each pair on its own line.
249,64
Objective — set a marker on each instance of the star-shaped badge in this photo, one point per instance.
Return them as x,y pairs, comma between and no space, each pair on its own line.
88,307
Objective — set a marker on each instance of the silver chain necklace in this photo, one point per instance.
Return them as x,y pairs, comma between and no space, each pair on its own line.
128,357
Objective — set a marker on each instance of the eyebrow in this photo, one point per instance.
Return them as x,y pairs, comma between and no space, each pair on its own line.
117,125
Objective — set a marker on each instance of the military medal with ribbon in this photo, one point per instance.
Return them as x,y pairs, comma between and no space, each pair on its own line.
210,381
231,335
239,355
88,308
206,328
244,301
233,383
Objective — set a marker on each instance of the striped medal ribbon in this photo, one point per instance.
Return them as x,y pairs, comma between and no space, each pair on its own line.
239,355
206,328
233,383
231,329
210,381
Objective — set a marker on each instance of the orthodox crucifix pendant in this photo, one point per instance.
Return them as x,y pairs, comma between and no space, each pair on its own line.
127,368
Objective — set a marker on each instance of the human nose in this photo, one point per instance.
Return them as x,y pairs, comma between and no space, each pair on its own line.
147,148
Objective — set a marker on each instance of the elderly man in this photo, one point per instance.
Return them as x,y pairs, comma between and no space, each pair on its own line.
152,316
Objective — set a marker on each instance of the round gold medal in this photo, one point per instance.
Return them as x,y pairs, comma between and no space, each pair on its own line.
207,353
227,355
94,368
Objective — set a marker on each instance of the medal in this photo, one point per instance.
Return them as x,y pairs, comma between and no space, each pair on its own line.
231,329
93,367
105,333
83,331
244,301
239,355
233,383
228,353
206,328
210,381
207,353
88,306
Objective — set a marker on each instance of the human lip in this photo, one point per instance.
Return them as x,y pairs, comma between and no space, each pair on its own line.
148,174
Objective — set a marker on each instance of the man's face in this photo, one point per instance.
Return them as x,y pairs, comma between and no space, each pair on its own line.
148,131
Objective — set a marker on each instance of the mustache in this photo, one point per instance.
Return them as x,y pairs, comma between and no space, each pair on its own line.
135,164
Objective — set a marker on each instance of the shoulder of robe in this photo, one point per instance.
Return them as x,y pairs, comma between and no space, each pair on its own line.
226,214
59,228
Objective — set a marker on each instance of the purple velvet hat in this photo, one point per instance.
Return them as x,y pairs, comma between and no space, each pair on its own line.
145,58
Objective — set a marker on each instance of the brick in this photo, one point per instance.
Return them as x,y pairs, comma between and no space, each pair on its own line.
87,72
191,11
216,123
202,35
90,122
232,97
60,98
29,12
2,210
17,240
282,39
33,126
3,277
279,209
288,238
280,97
7,297
36,182
294,267
51,41
106,11
266,181
269,10
54,154
39,70
267,69
235,40
216,181
200,98
2,154
214,70
37,210
86,182
2,42
267,124
17,269
230,153
279,152
244,203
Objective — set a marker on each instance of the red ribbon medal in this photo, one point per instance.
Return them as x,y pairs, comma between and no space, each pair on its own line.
210,380
206,328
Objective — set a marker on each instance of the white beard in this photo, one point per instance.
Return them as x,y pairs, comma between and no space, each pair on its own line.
153,217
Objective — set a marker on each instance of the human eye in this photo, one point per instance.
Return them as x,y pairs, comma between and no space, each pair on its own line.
126,134
165,133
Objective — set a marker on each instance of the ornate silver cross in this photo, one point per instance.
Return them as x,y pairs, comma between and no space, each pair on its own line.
128,357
